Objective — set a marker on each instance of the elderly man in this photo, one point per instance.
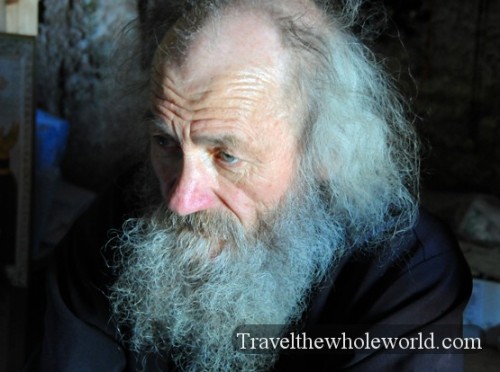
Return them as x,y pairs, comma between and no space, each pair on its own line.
287,196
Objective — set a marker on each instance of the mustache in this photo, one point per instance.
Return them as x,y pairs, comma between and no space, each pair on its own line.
218,225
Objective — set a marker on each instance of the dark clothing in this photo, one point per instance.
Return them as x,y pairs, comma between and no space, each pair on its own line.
425,284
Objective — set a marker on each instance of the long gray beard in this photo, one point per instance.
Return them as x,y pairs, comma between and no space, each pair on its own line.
187,283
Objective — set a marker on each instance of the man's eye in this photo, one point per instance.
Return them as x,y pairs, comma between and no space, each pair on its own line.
163,141
227,158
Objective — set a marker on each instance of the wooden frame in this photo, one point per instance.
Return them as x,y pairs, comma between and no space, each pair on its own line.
17,69
19,16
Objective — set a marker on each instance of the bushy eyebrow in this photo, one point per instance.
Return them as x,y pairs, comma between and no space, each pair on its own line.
153,121
224,141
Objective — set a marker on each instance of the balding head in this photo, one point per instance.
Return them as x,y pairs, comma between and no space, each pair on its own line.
237,42
209,17
216,34
234,41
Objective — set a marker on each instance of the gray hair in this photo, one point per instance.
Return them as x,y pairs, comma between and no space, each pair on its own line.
355,138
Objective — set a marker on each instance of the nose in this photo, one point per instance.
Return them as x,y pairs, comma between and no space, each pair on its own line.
192,191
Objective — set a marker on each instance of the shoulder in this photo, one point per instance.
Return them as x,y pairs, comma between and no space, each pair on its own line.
425,265
85,242
422,285
77,321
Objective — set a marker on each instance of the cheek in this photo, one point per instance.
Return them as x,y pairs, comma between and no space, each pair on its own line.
273,184
241,203
258,193
269,191
286,174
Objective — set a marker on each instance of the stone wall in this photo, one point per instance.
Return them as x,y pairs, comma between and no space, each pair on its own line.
452,49
79,59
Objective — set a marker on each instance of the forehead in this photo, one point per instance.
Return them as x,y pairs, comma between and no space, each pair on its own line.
241,104
234,69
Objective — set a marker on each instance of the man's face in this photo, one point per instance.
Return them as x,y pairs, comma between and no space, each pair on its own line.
222,139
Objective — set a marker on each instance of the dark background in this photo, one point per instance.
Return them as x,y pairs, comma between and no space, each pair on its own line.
452,51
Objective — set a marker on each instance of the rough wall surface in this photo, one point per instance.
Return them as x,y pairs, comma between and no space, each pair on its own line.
77,55
451,49
453,53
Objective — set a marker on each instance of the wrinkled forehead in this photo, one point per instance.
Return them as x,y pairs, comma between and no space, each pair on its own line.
233,41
